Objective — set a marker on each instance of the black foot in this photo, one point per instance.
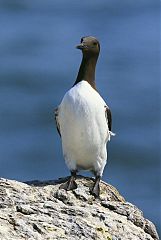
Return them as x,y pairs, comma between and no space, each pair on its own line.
96,188
70,184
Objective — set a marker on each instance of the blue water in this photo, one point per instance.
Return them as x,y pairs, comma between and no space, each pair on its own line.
39,63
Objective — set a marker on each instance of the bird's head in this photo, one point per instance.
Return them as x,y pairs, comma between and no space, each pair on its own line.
89,46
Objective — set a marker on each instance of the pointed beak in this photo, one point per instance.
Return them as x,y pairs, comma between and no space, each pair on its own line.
80,46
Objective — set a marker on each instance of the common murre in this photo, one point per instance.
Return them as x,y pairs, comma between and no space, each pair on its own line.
84,120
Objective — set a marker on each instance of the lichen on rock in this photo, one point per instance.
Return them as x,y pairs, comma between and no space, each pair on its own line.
41,211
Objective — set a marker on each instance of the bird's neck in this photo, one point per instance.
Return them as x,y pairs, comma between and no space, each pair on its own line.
87,70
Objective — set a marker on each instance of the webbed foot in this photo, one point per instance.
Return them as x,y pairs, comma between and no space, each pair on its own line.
70,184
96,188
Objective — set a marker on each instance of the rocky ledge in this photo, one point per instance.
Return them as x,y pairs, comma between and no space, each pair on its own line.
40,210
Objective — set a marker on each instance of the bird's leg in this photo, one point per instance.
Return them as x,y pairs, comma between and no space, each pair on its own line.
70,184
96,188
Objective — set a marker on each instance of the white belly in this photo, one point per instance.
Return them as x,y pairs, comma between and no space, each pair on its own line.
84,128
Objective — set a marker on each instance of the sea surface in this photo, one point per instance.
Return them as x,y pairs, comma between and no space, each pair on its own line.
39,63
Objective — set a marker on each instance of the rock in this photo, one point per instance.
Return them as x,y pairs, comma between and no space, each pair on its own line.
40,210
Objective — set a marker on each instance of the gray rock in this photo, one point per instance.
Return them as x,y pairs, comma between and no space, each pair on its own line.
40,210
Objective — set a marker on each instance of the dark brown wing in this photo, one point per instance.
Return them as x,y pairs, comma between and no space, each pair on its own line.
108,117
109,121
56,111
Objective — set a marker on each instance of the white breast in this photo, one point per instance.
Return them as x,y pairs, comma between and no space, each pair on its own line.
84,129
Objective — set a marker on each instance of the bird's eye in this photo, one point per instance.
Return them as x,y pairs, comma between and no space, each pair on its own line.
95,43
82,39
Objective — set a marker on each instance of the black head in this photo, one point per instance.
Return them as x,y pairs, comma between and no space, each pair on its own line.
89,46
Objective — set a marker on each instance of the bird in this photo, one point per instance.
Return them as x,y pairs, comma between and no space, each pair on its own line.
84,121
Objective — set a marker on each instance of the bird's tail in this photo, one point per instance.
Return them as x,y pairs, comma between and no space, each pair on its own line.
111,134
